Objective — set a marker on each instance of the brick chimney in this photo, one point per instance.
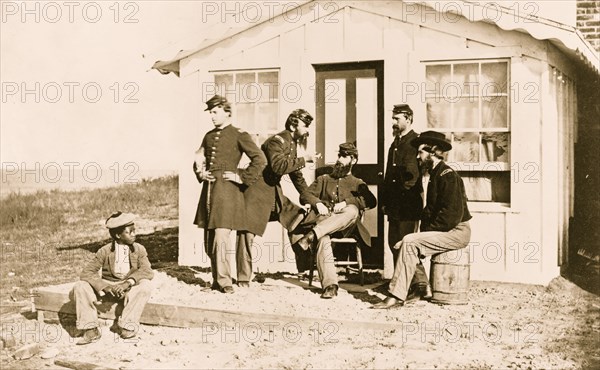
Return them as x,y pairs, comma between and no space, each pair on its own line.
588,21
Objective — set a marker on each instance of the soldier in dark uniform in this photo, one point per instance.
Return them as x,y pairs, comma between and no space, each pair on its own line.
337,201
265,200
221,207
444,222
401,199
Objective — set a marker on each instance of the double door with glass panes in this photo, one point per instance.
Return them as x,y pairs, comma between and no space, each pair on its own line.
349,98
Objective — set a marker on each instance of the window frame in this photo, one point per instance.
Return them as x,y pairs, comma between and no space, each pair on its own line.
259,134
482,165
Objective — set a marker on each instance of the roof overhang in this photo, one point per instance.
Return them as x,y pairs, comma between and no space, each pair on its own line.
566,38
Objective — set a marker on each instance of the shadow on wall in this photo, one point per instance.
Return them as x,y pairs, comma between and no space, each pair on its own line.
584,236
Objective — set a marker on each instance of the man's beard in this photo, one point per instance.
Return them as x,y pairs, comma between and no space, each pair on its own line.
426,166
302,141
340,170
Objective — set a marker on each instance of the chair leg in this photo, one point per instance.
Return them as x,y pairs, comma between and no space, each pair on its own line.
311,271
360,264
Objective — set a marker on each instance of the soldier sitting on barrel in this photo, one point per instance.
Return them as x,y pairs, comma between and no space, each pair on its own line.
444,222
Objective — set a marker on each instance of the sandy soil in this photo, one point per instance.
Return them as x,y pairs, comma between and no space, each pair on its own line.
504,326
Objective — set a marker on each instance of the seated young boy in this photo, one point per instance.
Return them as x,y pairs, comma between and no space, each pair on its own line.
121,270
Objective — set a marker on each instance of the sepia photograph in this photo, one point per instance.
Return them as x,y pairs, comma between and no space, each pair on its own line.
309,184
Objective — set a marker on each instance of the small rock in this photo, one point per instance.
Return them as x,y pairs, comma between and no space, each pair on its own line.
165,342
11,274
27,351
9,341
50,353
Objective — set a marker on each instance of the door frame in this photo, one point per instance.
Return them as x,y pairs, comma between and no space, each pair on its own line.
375,260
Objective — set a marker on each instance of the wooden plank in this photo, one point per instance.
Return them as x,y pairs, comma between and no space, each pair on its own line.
79,365
197,317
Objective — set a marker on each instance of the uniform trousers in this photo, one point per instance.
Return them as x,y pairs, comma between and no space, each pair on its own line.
133,304
340,221
220,251
397,230
424,244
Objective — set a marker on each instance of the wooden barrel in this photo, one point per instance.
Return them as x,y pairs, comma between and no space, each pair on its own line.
450,273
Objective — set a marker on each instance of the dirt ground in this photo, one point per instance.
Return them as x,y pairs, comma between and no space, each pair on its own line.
513,326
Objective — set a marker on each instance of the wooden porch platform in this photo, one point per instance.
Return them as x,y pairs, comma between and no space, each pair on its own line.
55,299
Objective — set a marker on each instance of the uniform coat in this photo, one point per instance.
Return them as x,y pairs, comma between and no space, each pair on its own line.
446,200
102,266
329,190
266,194
402,189
444,227
223,149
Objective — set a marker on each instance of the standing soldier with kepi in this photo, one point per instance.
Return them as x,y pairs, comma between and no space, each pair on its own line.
286,155
401,200
221,207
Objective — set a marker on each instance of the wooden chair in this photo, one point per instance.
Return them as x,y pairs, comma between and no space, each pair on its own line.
354,266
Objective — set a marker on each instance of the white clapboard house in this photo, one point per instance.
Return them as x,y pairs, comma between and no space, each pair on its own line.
513,92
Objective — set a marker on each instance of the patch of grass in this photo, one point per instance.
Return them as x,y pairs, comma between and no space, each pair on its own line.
46,237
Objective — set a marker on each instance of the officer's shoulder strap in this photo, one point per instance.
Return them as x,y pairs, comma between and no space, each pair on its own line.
446,171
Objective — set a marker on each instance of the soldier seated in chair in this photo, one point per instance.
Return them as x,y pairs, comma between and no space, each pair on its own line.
337,201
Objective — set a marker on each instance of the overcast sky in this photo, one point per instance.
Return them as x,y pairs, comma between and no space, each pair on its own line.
74,56
65,53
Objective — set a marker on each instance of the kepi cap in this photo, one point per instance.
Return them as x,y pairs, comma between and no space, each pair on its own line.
119,219
347,149
215,101
302,115
402,108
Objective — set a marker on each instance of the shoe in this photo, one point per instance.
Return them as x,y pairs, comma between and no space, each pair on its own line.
215,286
389,302
243,284
307,240
126,334
90,336
330,292
427,294
418,292
228,290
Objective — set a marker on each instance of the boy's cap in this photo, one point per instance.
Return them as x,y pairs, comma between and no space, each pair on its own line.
119,219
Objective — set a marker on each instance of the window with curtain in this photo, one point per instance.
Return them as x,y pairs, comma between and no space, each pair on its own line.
469,101
255,99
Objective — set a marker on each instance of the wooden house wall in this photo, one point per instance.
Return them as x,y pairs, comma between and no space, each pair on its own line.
516,244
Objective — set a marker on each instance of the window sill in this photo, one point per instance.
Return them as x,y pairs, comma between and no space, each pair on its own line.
478,166
490,207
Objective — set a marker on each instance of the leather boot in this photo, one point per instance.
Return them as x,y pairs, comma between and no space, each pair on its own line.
330,292
307,240
90,336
